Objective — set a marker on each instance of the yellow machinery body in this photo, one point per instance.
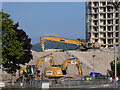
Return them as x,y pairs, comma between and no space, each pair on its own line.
70,41
53,72
60,71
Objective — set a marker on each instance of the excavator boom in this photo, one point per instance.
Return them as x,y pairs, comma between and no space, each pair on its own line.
43,59
72,61
62,40
82,44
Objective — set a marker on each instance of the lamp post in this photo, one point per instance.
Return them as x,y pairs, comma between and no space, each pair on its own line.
93,66
115,6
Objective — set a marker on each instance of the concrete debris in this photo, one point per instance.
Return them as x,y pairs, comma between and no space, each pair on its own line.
102,61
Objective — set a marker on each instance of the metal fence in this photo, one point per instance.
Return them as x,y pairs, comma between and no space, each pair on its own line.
66,83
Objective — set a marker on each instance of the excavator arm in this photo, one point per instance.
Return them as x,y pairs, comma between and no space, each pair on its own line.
62,40
72,61
43,59
79,68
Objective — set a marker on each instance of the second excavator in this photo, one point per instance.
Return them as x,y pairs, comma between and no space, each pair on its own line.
58,71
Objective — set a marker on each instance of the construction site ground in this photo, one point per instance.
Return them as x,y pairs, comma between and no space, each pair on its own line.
102,61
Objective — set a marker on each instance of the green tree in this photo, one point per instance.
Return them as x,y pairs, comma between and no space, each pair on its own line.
22,37
112,64
12,49
15,45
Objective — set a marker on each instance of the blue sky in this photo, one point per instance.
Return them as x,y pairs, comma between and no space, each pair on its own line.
61,19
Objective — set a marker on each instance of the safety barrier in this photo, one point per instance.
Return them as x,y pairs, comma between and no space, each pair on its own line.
66,83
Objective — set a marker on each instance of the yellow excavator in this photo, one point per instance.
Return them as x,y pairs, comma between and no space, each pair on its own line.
81,44
31,71
58,71
48,57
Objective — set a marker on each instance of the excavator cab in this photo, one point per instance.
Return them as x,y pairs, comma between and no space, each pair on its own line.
89,45
95,45
31,70
64,72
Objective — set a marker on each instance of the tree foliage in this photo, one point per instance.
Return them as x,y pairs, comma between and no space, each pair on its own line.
22,37
15,45
112,64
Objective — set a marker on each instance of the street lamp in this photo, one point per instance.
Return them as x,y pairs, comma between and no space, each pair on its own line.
93,66
115,6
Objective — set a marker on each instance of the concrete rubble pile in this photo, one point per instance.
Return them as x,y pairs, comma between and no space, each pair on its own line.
101,61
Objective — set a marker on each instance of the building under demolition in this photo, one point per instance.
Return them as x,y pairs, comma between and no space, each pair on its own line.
102,23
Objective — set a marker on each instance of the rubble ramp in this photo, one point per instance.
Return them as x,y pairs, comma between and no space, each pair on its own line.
101,61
